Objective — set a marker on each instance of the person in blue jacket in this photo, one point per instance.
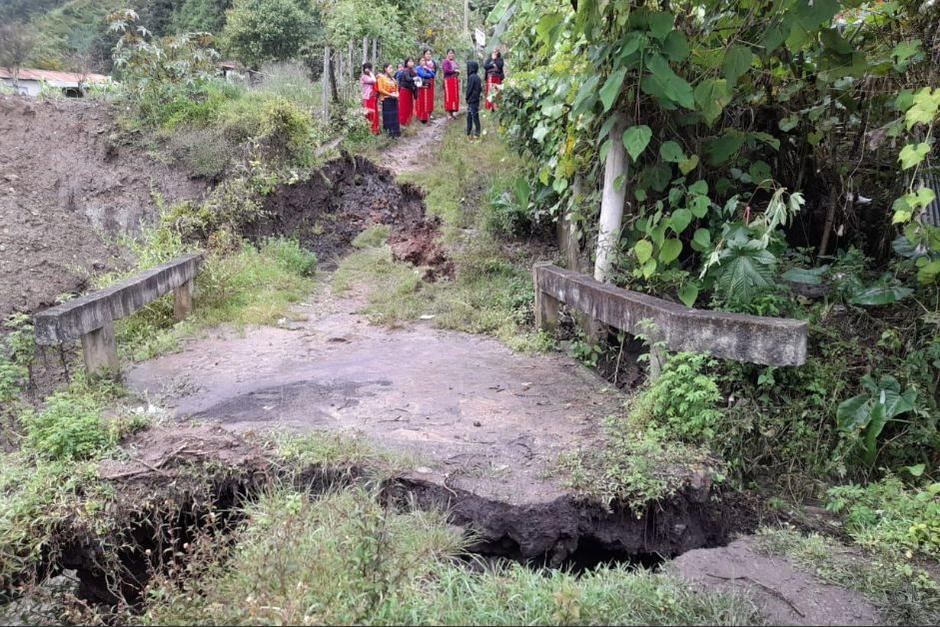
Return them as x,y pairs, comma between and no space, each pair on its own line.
425,100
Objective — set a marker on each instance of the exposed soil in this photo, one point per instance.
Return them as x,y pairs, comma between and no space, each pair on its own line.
344,198
65,190
784,594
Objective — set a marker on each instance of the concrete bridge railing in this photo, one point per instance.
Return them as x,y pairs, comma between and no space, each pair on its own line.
91,317
754,339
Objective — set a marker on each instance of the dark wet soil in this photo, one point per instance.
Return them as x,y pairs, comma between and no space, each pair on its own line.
341,200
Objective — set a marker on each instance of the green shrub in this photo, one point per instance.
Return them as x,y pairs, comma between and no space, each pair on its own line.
683,399
69,428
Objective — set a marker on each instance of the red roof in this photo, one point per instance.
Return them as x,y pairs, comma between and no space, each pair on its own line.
49,76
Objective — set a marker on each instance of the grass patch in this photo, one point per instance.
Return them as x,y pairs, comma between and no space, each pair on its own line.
332,451
345,559
249,285
903,592
634,466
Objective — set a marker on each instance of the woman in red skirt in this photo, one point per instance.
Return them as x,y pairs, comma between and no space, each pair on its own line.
425,100
408,91
451,85
494,76
370,97
431,65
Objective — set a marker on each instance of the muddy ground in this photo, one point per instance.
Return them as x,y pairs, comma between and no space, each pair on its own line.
66,191
341,200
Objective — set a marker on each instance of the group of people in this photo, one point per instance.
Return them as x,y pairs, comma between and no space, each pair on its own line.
398,95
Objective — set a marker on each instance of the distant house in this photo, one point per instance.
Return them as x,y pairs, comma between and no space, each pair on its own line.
31,81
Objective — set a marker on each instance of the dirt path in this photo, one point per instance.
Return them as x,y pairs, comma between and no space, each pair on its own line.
489,420
410,153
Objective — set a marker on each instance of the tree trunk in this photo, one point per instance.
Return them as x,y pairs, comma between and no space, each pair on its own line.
365,49
324,84
332,75
375,58
612,203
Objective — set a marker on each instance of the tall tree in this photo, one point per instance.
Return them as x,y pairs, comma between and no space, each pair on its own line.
16,42
267,30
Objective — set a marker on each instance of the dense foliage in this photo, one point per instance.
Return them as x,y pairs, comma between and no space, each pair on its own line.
777,154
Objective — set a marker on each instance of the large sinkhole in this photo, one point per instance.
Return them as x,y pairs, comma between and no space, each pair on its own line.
567,533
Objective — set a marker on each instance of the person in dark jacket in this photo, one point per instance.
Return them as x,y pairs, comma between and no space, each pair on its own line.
474,91
495,73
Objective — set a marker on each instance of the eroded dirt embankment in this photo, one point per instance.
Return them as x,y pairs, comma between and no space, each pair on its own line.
344,198
67,190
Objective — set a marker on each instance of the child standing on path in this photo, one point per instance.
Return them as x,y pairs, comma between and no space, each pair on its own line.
474,91
370,100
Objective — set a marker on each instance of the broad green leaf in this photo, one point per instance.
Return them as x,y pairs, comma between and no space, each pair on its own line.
671,152
660,24
788,123
702,240
523,191
688,294
699,187
928,273
611,88
676,46
880,295
711,97
853,413
924,109
807,276
680,220
834,42
643,250
736,62
904,100
913,154
759,172
546,26
587,95
916,470
664,82
631,43
636,139
670,250
720,149
687,165
698,205
540,132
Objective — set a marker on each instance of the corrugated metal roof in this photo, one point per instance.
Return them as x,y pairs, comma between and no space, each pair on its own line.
49,76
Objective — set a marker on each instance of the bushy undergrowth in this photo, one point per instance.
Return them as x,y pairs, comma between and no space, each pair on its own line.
53,476
345,559
887,515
